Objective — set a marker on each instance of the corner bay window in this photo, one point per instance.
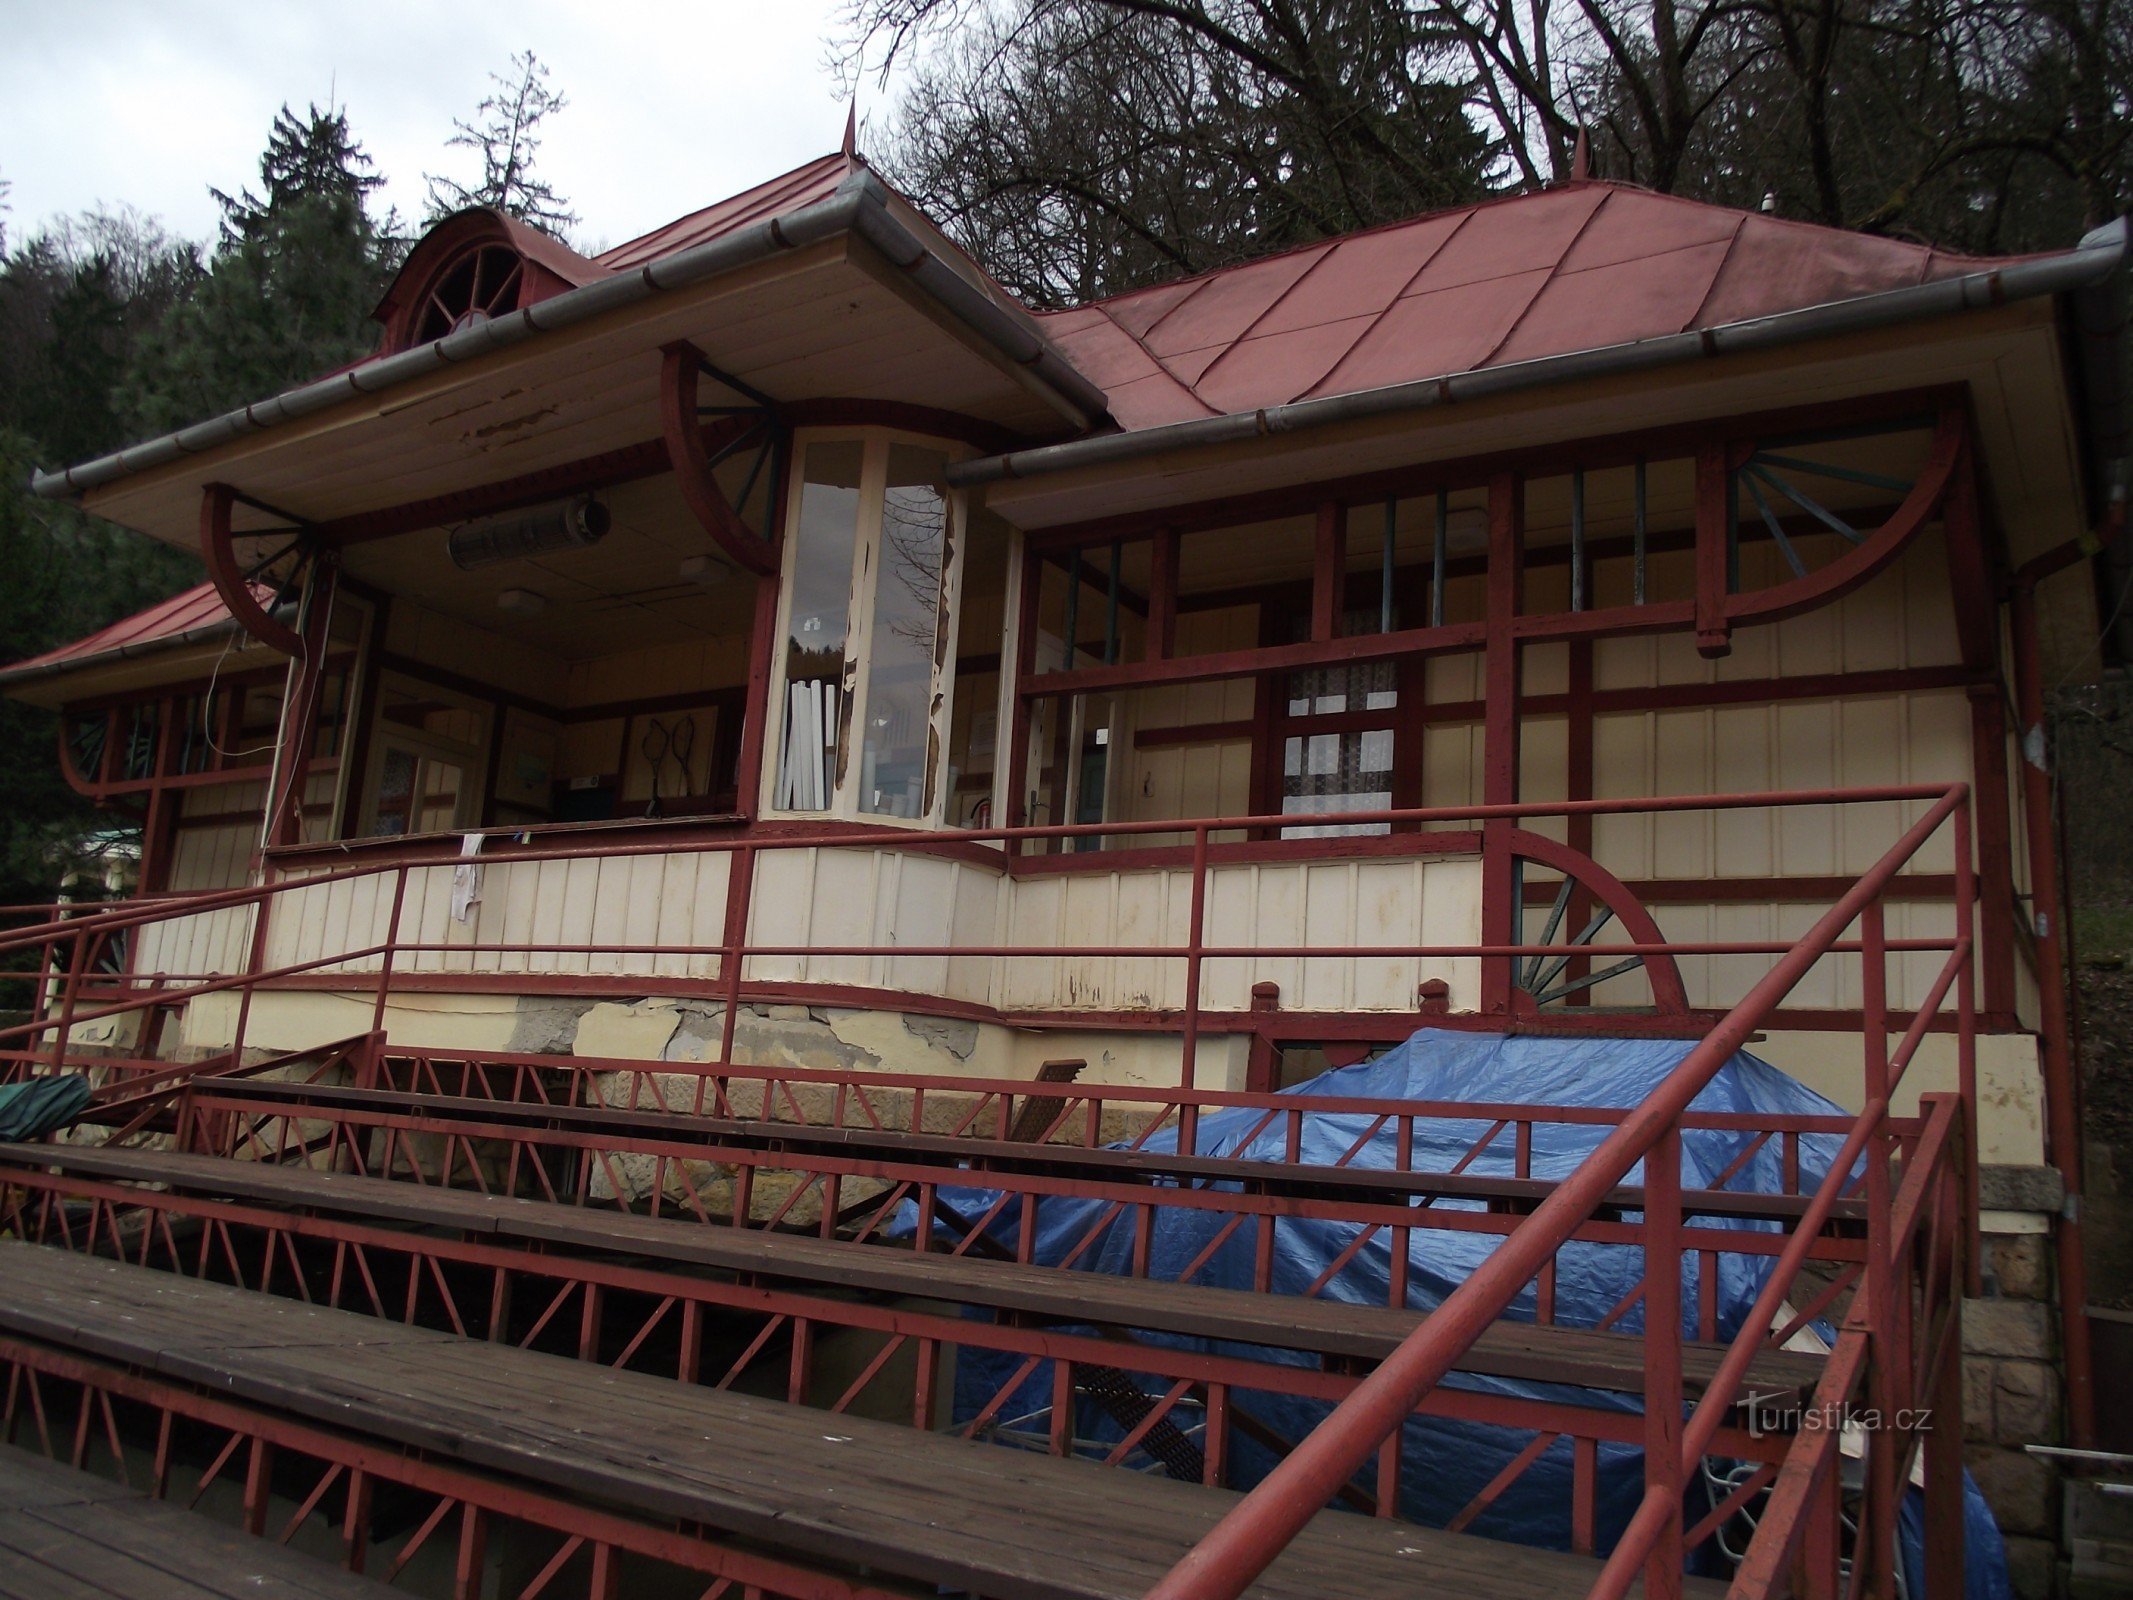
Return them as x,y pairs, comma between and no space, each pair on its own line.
868,639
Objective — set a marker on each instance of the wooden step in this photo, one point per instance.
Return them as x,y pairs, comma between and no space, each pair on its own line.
982,1156
836,1493
1326,1328
65,1535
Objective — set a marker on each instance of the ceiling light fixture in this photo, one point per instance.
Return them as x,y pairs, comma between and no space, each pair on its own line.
522,602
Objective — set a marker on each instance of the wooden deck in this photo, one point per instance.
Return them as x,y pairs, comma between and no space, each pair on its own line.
65,1535
833,1492
1327,1328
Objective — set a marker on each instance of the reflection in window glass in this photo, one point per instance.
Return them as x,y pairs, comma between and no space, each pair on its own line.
895,753
815,713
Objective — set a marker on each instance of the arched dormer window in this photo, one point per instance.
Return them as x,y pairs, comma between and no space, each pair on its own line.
478,284
472,267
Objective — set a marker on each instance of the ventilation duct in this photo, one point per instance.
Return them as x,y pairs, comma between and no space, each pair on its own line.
566,525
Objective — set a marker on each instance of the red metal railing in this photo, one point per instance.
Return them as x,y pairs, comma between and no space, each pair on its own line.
1897,1338
1223,1564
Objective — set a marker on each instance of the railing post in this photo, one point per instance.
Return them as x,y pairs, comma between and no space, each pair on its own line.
392,943
733,954
1662,1360
1944,1422
77,960
1877,1528
1966,1041
255,963
1189,1043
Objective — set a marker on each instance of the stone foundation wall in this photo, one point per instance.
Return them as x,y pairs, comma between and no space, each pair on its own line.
2012,1390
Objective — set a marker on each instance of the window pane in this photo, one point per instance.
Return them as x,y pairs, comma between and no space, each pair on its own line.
895,754
815,715
396,789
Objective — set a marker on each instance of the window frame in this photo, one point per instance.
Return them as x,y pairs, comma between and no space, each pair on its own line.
860,591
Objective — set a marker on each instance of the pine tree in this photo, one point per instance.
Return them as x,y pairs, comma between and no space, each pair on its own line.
508,138
288,294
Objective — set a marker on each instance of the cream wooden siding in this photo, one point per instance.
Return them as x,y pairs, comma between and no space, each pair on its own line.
203,858
1350,902
666,901
852,896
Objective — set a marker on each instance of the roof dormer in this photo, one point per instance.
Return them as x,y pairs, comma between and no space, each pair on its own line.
474,266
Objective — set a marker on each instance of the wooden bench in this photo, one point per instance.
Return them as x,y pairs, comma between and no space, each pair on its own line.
65,1535
1333,1330
998,1157
837,1495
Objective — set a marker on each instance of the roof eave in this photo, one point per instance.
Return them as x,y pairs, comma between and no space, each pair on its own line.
17,677
2094,268
857,208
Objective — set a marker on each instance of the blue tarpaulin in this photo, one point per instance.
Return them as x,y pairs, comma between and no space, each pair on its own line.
1445,1463
38,1106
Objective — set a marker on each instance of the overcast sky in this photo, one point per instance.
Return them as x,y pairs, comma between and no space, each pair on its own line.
673,103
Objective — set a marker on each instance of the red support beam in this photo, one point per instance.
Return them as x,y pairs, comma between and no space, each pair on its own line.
2062,1092
1163,597
1501,728
1329,571
1714,633
300,705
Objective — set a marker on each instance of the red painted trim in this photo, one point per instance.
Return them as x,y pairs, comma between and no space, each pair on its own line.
1593,453
1163,596
1193,733
1578,785
1921,886
1713,632
1329,571
1452,637
1992,802
300,705
689,459
1856,566
1501,731
1637,923
217,500
583,476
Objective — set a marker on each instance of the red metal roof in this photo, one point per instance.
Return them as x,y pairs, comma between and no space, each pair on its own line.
195,608
1578,267
802,186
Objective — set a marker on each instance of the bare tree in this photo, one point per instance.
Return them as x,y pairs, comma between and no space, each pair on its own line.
1080,147
1084,146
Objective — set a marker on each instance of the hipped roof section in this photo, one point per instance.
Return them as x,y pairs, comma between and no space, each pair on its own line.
1581,266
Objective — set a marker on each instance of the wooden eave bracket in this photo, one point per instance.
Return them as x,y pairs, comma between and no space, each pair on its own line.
682,366
1719,612
217,501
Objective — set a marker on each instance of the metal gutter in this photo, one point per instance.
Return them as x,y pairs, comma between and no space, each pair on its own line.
14,677
2100,256
858,207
